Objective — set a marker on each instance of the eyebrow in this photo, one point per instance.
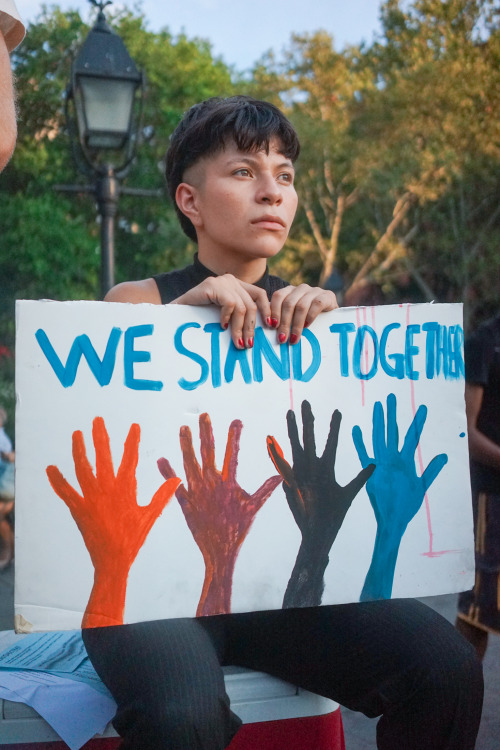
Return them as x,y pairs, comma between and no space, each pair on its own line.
251,160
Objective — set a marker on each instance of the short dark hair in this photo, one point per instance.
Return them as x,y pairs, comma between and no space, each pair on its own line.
207,127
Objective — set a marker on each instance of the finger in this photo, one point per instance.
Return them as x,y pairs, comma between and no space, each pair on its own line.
357,437
191,465
276,303
433,470
167,472
249,323
330,452
293,495
62,488
243,318
207,444
232,450
413,435
296,307
265,490
160,499
281,464
379,444
130,459
289,298
293,435
165,468
392,424
83,469
308,439
307,308
104,470
358,482
260,298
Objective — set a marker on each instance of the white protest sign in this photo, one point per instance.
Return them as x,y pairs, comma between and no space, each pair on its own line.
161,472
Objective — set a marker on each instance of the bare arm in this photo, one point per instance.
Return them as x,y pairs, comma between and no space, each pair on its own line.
8,128
135,292
290,309
481,448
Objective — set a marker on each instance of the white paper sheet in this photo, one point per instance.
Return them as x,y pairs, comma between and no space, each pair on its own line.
76,711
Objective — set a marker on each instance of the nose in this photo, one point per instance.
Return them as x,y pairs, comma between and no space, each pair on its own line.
269,191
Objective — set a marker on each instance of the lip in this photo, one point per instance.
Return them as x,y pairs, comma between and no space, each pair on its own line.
270,220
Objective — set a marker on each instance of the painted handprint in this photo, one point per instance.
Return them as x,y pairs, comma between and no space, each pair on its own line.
318,503
113,526
395,491
218,511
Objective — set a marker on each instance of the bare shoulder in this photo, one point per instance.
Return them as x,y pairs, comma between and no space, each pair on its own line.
135,292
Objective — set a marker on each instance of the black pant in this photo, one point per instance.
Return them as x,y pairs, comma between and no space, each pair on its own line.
396,659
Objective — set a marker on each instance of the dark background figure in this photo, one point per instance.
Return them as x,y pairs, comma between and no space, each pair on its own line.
479,609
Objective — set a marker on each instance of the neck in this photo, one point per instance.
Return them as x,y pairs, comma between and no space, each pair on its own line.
247,270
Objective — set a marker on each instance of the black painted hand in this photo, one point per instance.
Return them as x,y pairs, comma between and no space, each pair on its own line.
317,501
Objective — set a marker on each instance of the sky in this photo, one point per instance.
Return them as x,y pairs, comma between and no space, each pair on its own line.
241,31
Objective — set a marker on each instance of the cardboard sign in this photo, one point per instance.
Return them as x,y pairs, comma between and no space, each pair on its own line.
161,472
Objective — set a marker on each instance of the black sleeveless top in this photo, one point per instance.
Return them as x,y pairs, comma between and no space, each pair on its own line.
175,283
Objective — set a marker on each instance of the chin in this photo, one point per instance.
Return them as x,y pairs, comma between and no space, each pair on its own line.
266,250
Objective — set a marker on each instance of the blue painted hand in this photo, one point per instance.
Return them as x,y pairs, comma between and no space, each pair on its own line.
395,491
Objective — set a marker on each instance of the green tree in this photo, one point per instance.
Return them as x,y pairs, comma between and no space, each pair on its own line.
431,136
50,241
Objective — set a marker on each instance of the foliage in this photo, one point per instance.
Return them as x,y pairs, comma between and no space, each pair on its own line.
55,235
399,169
398,177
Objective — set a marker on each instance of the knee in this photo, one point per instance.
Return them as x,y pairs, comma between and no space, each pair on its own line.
150,723
452,672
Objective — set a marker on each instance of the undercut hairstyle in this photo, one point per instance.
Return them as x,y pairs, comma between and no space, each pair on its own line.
206,128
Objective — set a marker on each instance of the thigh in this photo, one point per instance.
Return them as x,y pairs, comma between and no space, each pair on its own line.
177,654
357,654
167,681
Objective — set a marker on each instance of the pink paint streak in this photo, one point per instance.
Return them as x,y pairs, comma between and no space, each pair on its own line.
431,552
362,382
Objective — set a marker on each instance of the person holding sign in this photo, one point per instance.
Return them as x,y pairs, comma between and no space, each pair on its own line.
230,172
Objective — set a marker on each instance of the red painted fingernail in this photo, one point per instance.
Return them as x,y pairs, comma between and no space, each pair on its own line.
269,321
293,338
250,342
241,343
306,324
282,338
225,326
274,322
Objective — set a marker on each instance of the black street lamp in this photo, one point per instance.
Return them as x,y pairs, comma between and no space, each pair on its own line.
103,112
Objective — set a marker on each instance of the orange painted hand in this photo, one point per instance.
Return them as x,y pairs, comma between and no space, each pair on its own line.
218,511
113,526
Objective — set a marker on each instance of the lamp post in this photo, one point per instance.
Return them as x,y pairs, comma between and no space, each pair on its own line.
103,113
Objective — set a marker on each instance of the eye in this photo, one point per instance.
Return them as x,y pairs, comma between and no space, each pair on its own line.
286,177
243,172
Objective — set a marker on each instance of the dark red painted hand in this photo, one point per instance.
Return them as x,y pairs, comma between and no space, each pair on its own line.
218,511
113,526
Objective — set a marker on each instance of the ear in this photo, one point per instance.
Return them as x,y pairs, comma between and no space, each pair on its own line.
186,199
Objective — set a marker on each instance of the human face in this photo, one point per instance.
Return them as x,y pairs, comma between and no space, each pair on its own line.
242,205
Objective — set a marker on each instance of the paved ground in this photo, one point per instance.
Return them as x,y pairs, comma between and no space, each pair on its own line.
359,731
